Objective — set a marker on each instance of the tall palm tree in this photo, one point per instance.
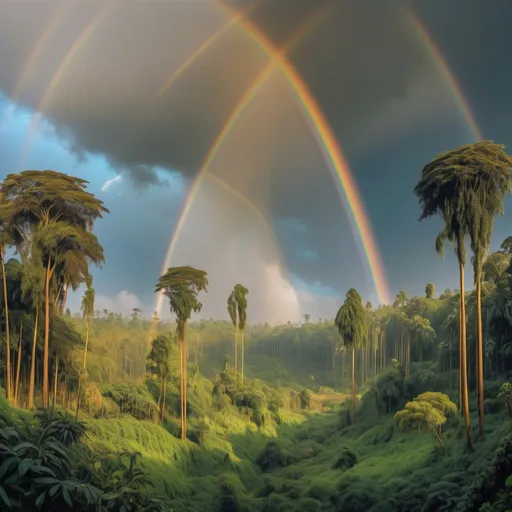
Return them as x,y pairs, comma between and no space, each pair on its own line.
484,172
56,241
241,306
6,239
233,315
87,308
441,192
182,285
351,323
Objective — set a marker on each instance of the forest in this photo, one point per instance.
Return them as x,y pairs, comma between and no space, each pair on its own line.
398,407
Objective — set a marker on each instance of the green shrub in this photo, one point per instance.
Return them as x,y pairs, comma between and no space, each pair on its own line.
273,456
346,460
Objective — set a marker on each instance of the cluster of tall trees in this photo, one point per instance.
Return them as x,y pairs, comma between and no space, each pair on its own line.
46,218
182,285
467,187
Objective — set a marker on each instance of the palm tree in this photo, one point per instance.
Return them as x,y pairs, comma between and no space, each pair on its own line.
241,305
87,308
484,173
233,315
56,241
430,290
181,285
441,192
351,323
6,239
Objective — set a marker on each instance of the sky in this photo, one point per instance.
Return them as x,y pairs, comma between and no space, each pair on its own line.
133,96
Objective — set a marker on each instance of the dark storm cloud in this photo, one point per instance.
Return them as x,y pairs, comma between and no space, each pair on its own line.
359,60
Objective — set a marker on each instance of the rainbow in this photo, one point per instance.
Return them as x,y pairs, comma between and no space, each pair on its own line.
243,199
34,56
233,20
183,67
441,64
79,42
244,101
337,163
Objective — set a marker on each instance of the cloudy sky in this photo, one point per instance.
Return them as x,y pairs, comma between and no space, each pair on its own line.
133,95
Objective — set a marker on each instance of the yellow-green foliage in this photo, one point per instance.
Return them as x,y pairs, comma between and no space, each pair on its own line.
428,410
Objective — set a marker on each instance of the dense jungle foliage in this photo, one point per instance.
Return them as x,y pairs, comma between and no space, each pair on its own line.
391,408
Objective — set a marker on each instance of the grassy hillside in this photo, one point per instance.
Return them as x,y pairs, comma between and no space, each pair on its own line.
309,468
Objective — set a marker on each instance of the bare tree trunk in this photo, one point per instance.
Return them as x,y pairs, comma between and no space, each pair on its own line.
84,366
464,379
182,390
55,382
160,396
479,359
450,363
353,386
33,363
243,354
8,389
18,366
461,386
164,398
185,360
235,363
46,334
64,299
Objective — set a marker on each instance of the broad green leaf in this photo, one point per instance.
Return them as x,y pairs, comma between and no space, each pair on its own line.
4,497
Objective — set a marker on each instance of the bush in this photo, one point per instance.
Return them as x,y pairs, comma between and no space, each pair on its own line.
273,456
346,460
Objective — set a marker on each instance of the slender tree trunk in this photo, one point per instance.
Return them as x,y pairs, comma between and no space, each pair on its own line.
8,389
64,299
18,367
164,397
46,334
243,354
160,388
343,370
479,358
84,366
55,382
235,363
450,355
361,364
464,379
182,390
353,386
88,327
461,386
